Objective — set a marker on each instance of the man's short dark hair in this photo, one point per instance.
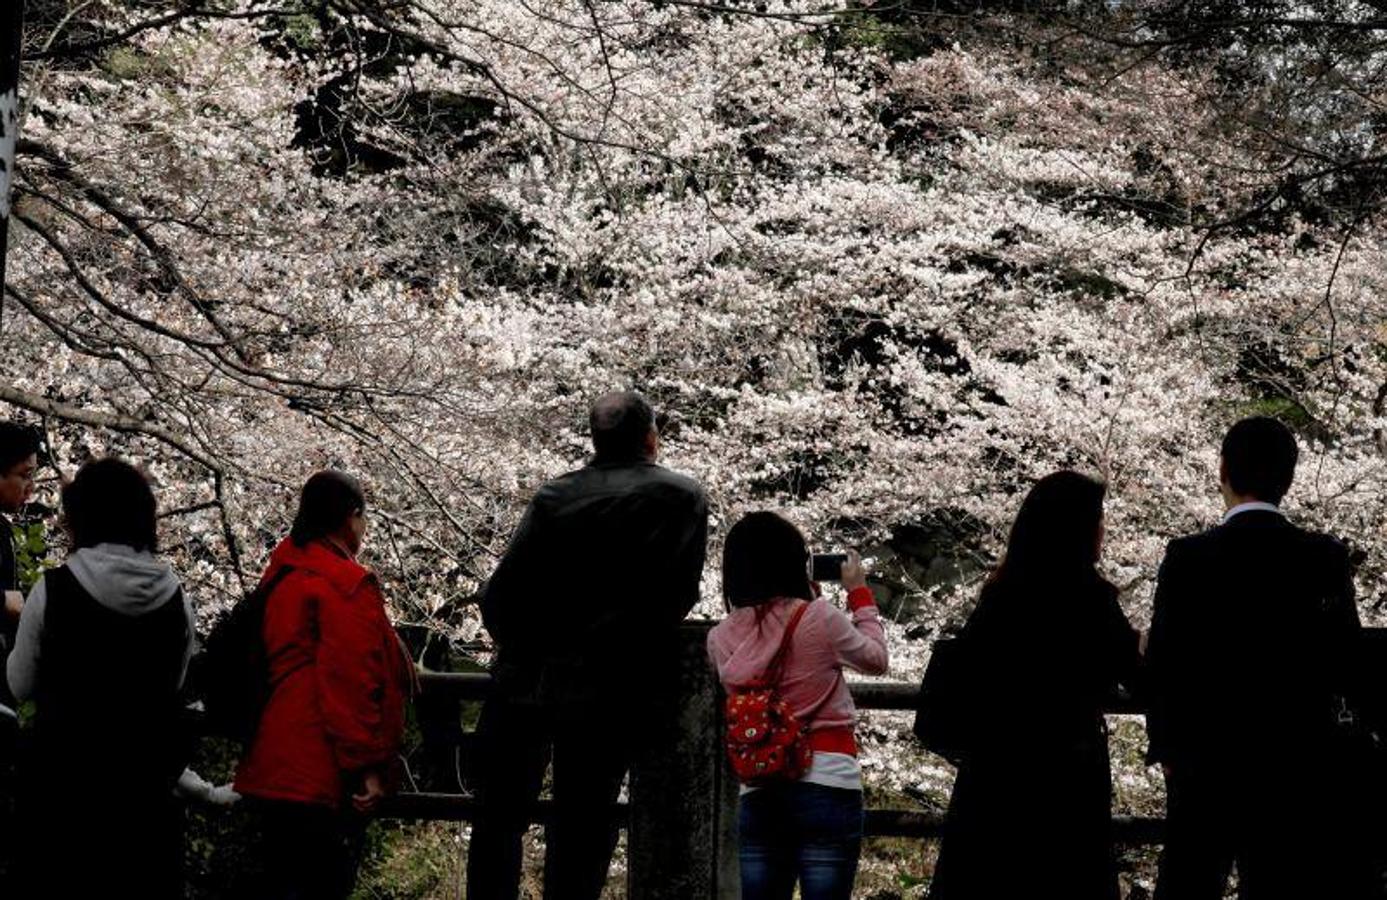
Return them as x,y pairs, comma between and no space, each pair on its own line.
620,422
17,443
1259,456
110,502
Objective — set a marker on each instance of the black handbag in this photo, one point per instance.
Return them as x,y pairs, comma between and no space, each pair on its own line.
1359,736
944,719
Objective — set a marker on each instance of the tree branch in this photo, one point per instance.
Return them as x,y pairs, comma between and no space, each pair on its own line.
46,406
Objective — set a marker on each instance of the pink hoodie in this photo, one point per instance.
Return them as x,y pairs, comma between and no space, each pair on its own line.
826,640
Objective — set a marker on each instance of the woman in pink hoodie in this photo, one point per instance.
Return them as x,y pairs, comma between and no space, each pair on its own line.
807,830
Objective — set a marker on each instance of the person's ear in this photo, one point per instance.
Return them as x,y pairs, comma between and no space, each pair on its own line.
652,442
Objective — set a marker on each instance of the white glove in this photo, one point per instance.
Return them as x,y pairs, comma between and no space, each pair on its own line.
192,786
222,795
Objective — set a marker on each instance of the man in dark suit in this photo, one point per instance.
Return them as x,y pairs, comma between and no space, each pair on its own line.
584,609
1251,635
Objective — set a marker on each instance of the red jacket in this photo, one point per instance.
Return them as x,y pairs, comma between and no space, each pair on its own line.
339,681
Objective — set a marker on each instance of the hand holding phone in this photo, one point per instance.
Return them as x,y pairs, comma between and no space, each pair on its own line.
854,573
828,566
844,567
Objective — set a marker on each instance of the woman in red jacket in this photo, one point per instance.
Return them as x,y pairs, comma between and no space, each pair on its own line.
335,717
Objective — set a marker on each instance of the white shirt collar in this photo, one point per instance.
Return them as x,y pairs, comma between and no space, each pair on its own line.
1254,506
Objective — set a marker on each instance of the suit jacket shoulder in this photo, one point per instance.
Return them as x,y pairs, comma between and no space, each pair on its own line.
1201,541
1328,544
1274,528
1331,553
680,482
647,478
1188,550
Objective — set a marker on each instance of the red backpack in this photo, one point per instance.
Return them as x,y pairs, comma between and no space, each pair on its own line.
765,742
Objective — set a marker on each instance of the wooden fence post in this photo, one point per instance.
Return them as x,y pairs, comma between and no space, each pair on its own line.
682,839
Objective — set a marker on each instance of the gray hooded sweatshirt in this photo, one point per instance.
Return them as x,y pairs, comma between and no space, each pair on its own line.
118,577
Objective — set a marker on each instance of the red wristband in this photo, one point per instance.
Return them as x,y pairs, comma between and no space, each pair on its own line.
860,597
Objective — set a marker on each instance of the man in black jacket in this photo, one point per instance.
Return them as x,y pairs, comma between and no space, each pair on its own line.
1252,631
584,609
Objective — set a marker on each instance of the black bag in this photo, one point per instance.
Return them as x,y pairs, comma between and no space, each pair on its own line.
233,670
1359,737
1358,765
945,716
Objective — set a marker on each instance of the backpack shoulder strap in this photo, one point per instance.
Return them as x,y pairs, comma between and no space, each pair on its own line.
772,674
258,600
269,587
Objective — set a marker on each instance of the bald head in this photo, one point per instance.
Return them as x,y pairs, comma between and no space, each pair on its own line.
623,427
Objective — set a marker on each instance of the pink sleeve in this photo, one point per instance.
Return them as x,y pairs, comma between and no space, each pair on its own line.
859,642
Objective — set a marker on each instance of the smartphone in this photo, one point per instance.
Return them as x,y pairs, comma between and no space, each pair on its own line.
828,566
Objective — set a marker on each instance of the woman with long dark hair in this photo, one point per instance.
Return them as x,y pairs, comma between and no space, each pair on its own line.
1046,645
332,727
103,645
808,829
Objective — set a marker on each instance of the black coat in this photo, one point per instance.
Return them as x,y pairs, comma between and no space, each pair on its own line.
1031,807
1252,631
604,565
1254,636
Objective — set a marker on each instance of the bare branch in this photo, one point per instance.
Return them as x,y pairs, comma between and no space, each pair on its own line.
46,406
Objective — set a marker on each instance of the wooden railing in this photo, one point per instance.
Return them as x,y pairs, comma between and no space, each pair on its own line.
469,686
681,817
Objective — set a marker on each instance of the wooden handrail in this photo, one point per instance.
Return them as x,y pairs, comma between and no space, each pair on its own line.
908,823
896,695
874,695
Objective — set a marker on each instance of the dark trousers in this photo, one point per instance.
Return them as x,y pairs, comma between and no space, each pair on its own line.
799,832
1011,832
590,755
129,844
1290,841
11,831
307,852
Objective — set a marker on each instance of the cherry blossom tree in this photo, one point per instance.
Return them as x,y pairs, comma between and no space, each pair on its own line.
884,268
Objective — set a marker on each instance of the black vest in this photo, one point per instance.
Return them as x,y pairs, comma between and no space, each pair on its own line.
108,685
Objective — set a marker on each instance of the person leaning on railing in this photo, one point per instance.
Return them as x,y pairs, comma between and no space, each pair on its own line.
1254,631
807,828
1043,649
584,608
334,722
102,649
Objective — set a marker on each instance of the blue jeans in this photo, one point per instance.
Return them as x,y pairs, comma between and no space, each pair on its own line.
798,831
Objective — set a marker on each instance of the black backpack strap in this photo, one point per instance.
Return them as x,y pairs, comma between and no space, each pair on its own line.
313,613
269,587
265,592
